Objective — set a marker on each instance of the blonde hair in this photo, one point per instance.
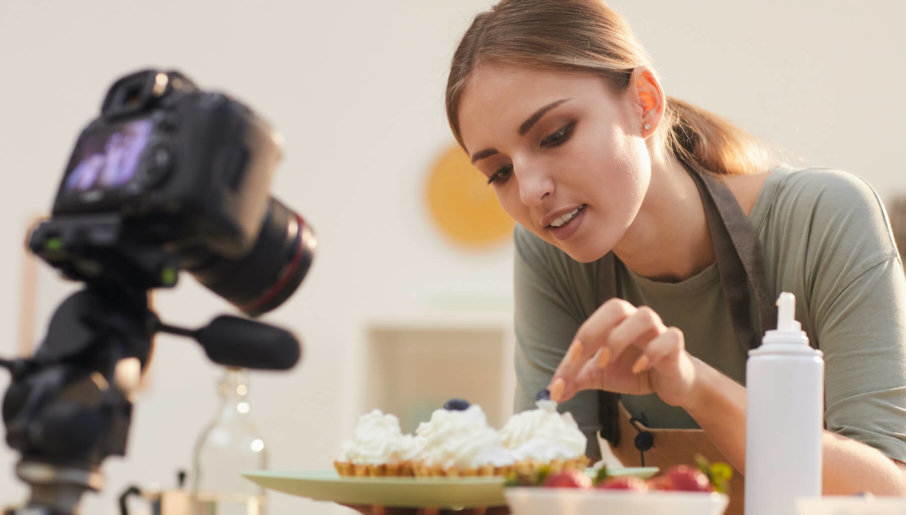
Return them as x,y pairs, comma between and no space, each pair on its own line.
587,36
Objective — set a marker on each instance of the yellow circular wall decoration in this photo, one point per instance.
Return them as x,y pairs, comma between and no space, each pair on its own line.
462,203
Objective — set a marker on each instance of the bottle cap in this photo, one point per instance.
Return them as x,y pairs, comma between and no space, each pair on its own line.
788,334
786,313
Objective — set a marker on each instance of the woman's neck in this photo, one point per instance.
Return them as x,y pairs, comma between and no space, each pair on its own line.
669,238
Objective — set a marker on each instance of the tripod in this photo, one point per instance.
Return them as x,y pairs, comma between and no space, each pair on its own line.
69,406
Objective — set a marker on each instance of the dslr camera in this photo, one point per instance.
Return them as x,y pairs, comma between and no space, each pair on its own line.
167,178
171,177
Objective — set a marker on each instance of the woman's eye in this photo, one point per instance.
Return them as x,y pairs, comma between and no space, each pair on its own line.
560,136
501,174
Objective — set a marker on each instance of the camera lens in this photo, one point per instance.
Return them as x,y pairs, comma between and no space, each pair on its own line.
265,277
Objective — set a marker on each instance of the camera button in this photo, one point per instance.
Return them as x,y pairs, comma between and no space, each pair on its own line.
166,120
160,163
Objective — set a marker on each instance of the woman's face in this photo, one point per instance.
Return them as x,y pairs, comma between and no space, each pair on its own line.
563,152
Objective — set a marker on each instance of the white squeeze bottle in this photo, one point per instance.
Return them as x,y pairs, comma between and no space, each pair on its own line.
784,417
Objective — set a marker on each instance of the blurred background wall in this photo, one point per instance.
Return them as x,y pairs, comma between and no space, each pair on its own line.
356,89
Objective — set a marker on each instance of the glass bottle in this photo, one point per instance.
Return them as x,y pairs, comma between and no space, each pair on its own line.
228,446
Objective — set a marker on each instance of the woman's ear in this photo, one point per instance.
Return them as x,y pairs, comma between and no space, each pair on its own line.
650,98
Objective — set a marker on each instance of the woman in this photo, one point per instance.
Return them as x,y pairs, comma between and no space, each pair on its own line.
627,200
621,191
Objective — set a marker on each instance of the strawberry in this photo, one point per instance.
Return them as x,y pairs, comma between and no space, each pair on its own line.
687,479
660,482
567,479
624,483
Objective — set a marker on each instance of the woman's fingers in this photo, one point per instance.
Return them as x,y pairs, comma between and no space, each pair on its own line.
666,344
598,326
638,330
626,339
586,345
573,361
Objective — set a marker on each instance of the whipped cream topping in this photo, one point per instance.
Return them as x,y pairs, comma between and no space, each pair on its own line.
461,439
543,434
377,440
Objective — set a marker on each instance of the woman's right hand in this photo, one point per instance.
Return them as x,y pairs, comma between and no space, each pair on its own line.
625,349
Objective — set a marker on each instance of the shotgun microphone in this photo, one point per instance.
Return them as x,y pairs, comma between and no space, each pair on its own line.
240,342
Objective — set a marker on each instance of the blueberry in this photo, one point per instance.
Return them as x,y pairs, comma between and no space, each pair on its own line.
543,395
456,405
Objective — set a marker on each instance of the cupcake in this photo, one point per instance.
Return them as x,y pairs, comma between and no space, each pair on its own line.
459,442
378,448
545,438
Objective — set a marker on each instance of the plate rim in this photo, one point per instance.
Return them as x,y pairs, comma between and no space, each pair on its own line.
455,492
331,475
445,492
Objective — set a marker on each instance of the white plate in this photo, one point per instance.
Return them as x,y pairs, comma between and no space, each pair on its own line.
399,491
566,501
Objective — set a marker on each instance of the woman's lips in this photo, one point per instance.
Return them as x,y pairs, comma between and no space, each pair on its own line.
570,226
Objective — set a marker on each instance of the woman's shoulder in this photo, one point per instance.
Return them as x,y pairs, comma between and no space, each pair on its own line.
821,201
816,193
819,185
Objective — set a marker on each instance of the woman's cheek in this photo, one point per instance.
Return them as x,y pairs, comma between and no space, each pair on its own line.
508,198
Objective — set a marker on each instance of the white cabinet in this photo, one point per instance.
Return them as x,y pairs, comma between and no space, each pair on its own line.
411,367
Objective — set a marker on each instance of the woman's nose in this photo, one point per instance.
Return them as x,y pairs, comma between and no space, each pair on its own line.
535,185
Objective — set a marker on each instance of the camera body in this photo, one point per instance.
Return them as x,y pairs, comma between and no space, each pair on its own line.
169,178
184,166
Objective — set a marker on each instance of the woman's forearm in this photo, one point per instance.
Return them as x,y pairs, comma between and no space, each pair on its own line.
852,467
718,404
849,467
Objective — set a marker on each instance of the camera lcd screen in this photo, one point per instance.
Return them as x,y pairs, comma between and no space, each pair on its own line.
108,157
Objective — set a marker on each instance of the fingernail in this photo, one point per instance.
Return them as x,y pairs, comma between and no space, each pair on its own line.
604,356
557,389
640,364
575,351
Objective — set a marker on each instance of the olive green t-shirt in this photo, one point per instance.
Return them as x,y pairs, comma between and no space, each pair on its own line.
824,237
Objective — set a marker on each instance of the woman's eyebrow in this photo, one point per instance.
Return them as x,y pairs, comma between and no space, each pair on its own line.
488,152
524,128
527,124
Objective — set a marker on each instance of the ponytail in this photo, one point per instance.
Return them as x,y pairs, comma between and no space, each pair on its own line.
720,147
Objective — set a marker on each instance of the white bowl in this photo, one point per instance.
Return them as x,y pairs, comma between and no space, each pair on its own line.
851,505
574,501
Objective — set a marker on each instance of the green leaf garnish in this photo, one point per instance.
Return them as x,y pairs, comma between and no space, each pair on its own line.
719,473
600,475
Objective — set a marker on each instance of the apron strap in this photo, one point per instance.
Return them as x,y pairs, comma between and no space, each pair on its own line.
738,253
608,402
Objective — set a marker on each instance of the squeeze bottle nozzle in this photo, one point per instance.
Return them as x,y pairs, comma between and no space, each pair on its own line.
786,313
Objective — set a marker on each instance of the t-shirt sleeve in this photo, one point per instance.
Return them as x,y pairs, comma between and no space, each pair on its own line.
547,316
865,360
858,304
